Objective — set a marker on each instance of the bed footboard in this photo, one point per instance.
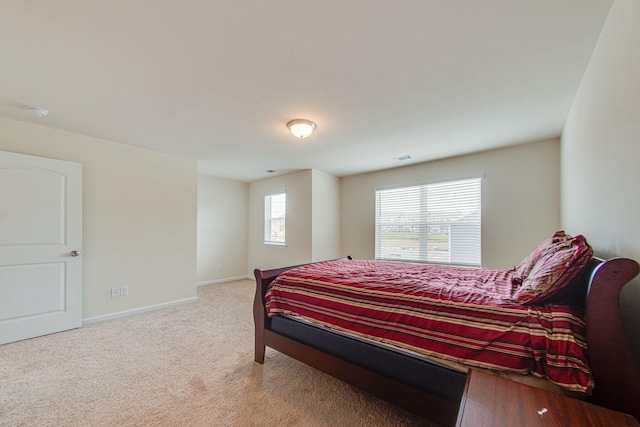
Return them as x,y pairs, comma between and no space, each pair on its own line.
260,318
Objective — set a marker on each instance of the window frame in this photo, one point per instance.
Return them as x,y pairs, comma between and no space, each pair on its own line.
411,212
269,219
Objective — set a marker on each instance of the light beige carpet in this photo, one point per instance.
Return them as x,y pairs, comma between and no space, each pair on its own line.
190,365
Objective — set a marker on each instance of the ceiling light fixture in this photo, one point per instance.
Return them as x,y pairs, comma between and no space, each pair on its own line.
38,111
301,128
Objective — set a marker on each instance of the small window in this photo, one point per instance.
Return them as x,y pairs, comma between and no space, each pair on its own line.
275,212
438,223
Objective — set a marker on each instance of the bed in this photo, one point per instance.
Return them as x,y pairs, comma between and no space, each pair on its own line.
307,312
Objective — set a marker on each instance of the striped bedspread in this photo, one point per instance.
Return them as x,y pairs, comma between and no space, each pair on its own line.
453,313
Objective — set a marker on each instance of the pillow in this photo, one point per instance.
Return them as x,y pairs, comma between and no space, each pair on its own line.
524,268
554,271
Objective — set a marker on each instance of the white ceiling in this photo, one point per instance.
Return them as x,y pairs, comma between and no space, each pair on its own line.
218,80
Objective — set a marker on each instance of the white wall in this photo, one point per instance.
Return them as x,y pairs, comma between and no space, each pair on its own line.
325,216
298,187
312,224
139,216
520,199
601,149
223,215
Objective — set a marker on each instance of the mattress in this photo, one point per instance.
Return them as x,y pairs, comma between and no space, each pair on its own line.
436,376
417,372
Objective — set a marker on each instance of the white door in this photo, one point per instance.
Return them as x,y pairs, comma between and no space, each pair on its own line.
40,246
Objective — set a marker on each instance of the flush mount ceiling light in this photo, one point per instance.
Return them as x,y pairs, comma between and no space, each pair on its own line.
301,128
38,111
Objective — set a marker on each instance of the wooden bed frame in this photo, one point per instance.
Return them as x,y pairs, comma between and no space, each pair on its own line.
614,371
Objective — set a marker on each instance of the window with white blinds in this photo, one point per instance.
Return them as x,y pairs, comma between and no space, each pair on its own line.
438,223
275,213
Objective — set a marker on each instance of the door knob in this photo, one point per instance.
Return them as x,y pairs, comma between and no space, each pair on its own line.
74,253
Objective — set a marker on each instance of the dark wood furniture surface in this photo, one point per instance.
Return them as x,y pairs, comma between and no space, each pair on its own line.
614,371
493,401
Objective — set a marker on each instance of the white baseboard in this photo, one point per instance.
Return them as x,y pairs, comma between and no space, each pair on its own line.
227,279
111,316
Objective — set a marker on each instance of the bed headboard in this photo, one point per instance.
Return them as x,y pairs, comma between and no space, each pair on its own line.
615,373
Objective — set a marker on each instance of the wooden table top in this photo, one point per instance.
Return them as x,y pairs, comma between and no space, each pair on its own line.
490,400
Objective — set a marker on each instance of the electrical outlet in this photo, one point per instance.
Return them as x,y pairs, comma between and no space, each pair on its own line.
115,292
220,267
124,291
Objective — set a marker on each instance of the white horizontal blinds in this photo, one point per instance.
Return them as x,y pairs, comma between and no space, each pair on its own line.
275,212
398,222
437,223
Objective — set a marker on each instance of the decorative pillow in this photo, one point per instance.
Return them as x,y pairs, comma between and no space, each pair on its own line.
524,268
554,271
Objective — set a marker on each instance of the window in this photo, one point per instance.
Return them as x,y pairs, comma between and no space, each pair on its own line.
275,212
437,223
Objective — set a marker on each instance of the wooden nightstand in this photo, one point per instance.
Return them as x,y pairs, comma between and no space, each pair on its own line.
490,400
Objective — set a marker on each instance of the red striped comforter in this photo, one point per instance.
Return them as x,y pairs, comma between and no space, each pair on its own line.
453,313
